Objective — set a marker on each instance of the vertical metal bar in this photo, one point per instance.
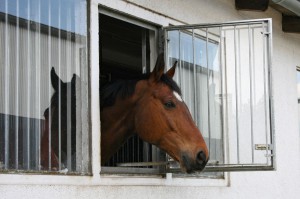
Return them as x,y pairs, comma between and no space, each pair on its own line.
7,100
28,86
179,60
208,92
236,96
222,92
144,51
38,89
17,88
69,98
194,78
253,68
144,71
49,87
264,35
271,104
226,141
59,87
251,92
81,133
166,48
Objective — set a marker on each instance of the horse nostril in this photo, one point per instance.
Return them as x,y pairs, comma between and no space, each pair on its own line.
201,158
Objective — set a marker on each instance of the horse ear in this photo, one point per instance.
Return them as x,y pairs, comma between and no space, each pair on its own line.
73,80
158,70
170,73
55,79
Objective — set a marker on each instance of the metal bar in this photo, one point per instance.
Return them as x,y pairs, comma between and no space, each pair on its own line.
251,92
29,86
230,168
141,164
6,87
194,78
270,92
59,88
144,51
265,92
81,163
236,96
208,93
49,87
69,97
226,108
212,25
166,47
222,112
17,89
38,94
144,71
254,82
129,171
179,60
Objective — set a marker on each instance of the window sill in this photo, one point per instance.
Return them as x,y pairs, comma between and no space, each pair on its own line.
109,180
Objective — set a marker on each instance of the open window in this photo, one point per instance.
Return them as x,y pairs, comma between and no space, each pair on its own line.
134,44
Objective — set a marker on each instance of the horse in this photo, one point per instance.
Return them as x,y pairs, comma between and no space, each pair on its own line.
60,117
151,106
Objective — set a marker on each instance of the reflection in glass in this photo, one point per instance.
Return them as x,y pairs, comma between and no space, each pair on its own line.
36,35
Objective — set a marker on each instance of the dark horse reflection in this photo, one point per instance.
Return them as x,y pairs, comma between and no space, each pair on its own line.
60,121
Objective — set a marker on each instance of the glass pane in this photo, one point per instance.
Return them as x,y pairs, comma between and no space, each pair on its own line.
43,85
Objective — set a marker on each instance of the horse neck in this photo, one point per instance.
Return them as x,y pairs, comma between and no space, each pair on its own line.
117,125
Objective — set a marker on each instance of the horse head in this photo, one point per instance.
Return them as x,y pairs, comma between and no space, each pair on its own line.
163,119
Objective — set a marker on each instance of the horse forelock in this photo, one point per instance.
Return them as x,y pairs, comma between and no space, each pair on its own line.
125,88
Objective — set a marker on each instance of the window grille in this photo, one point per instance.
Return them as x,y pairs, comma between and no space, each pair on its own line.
35,36
224,71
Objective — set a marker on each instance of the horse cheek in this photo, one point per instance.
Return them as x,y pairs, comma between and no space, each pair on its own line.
144,125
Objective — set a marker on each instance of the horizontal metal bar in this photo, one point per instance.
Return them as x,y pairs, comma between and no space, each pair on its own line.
232,167
141,164
213,25
130,171
45,172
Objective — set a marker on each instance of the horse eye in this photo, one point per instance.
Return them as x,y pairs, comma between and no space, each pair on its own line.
170,104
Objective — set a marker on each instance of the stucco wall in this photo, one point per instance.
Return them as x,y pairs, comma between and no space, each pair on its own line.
282,183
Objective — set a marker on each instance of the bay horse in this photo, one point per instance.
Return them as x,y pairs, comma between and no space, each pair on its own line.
150,106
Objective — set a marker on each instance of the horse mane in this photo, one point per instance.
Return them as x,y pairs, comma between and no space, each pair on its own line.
125,88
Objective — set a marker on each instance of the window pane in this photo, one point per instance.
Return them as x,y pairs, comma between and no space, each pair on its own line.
41,114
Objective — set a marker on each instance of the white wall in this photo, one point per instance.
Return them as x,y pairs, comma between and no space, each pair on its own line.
282,183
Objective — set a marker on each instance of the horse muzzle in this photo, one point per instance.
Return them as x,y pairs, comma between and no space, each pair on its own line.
195,164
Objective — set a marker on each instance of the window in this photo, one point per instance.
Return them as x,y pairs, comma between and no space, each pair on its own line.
225,75
134,43
224,71
42,118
